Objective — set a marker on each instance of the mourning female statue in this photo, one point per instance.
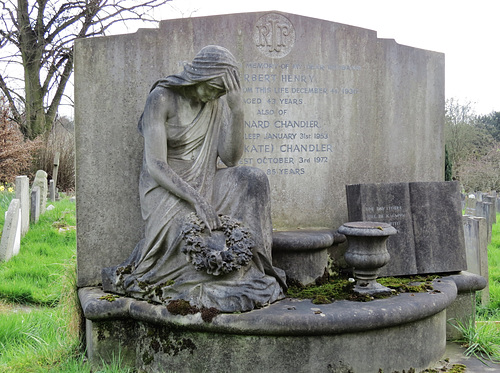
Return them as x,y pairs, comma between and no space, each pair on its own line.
207,228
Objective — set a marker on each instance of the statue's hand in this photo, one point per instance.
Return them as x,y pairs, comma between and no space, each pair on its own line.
233,87
207,214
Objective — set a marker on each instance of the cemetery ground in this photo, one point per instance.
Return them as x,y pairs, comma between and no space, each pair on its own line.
40,328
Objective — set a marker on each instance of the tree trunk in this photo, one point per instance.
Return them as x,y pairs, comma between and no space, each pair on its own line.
35,111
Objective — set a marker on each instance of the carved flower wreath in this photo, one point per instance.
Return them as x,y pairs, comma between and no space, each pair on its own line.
225,250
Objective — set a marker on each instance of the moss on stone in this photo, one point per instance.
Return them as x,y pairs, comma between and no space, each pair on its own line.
109,297
340,288
147,358
208,314
181,307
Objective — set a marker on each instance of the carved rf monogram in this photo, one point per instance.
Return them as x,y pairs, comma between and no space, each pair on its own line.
274,35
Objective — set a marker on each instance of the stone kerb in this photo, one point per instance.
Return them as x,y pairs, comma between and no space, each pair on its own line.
10,231
23,194
313,110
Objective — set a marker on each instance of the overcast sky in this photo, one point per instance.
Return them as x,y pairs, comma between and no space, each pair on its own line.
467,31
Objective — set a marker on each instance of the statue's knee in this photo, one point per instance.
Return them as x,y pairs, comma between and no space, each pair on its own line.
257,180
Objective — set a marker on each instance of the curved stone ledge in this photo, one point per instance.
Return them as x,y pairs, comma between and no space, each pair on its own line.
467,282
287,317
306,239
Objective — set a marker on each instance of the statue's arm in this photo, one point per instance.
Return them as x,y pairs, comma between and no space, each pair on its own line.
231,141
156,112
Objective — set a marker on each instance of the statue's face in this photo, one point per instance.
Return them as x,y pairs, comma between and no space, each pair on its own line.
210,90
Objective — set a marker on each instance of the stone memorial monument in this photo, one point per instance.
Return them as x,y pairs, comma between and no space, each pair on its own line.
322,105
325,105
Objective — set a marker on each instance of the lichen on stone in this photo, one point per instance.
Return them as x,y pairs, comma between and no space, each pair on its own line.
109,297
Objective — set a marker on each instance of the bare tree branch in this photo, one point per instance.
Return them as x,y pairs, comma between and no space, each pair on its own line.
43,33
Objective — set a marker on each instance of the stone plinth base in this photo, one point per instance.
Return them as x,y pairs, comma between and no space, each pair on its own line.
463,309
401,332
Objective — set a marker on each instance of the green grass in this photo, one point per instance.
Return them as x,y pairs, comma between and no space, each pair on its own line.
34,276
44,336
43,276
481,339
491,311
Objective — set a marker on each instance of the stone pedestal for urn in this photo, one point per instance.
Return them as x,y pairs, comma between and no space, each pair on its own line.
367,253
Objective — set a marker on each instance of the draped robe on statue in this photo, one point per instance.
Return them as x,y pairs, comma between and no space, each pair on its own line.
157,269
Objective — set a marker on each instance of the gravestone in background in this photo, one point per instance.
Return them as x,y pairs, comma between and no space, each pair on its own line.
23,195
35,204
9,244
428,218
326,104
41,182
476,247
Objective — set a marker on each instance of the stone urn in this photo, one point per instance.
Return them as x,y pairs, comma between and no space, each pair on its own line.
367,253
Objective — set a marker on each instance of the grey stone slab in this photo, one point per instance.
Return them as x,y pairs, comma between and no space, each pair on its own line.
17,240
10,231
23,194
427,216
471,234
493,211
476,246
437,226
483,209
314,108
35,205
52,191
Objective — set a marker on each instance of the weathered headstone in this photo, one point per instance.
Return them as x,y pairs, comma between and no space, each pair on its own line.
17,240
493,210
470,204
427,216
35,204
41,182
476,246
52,191
55,170
319,96
483,209
23,195
10,231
